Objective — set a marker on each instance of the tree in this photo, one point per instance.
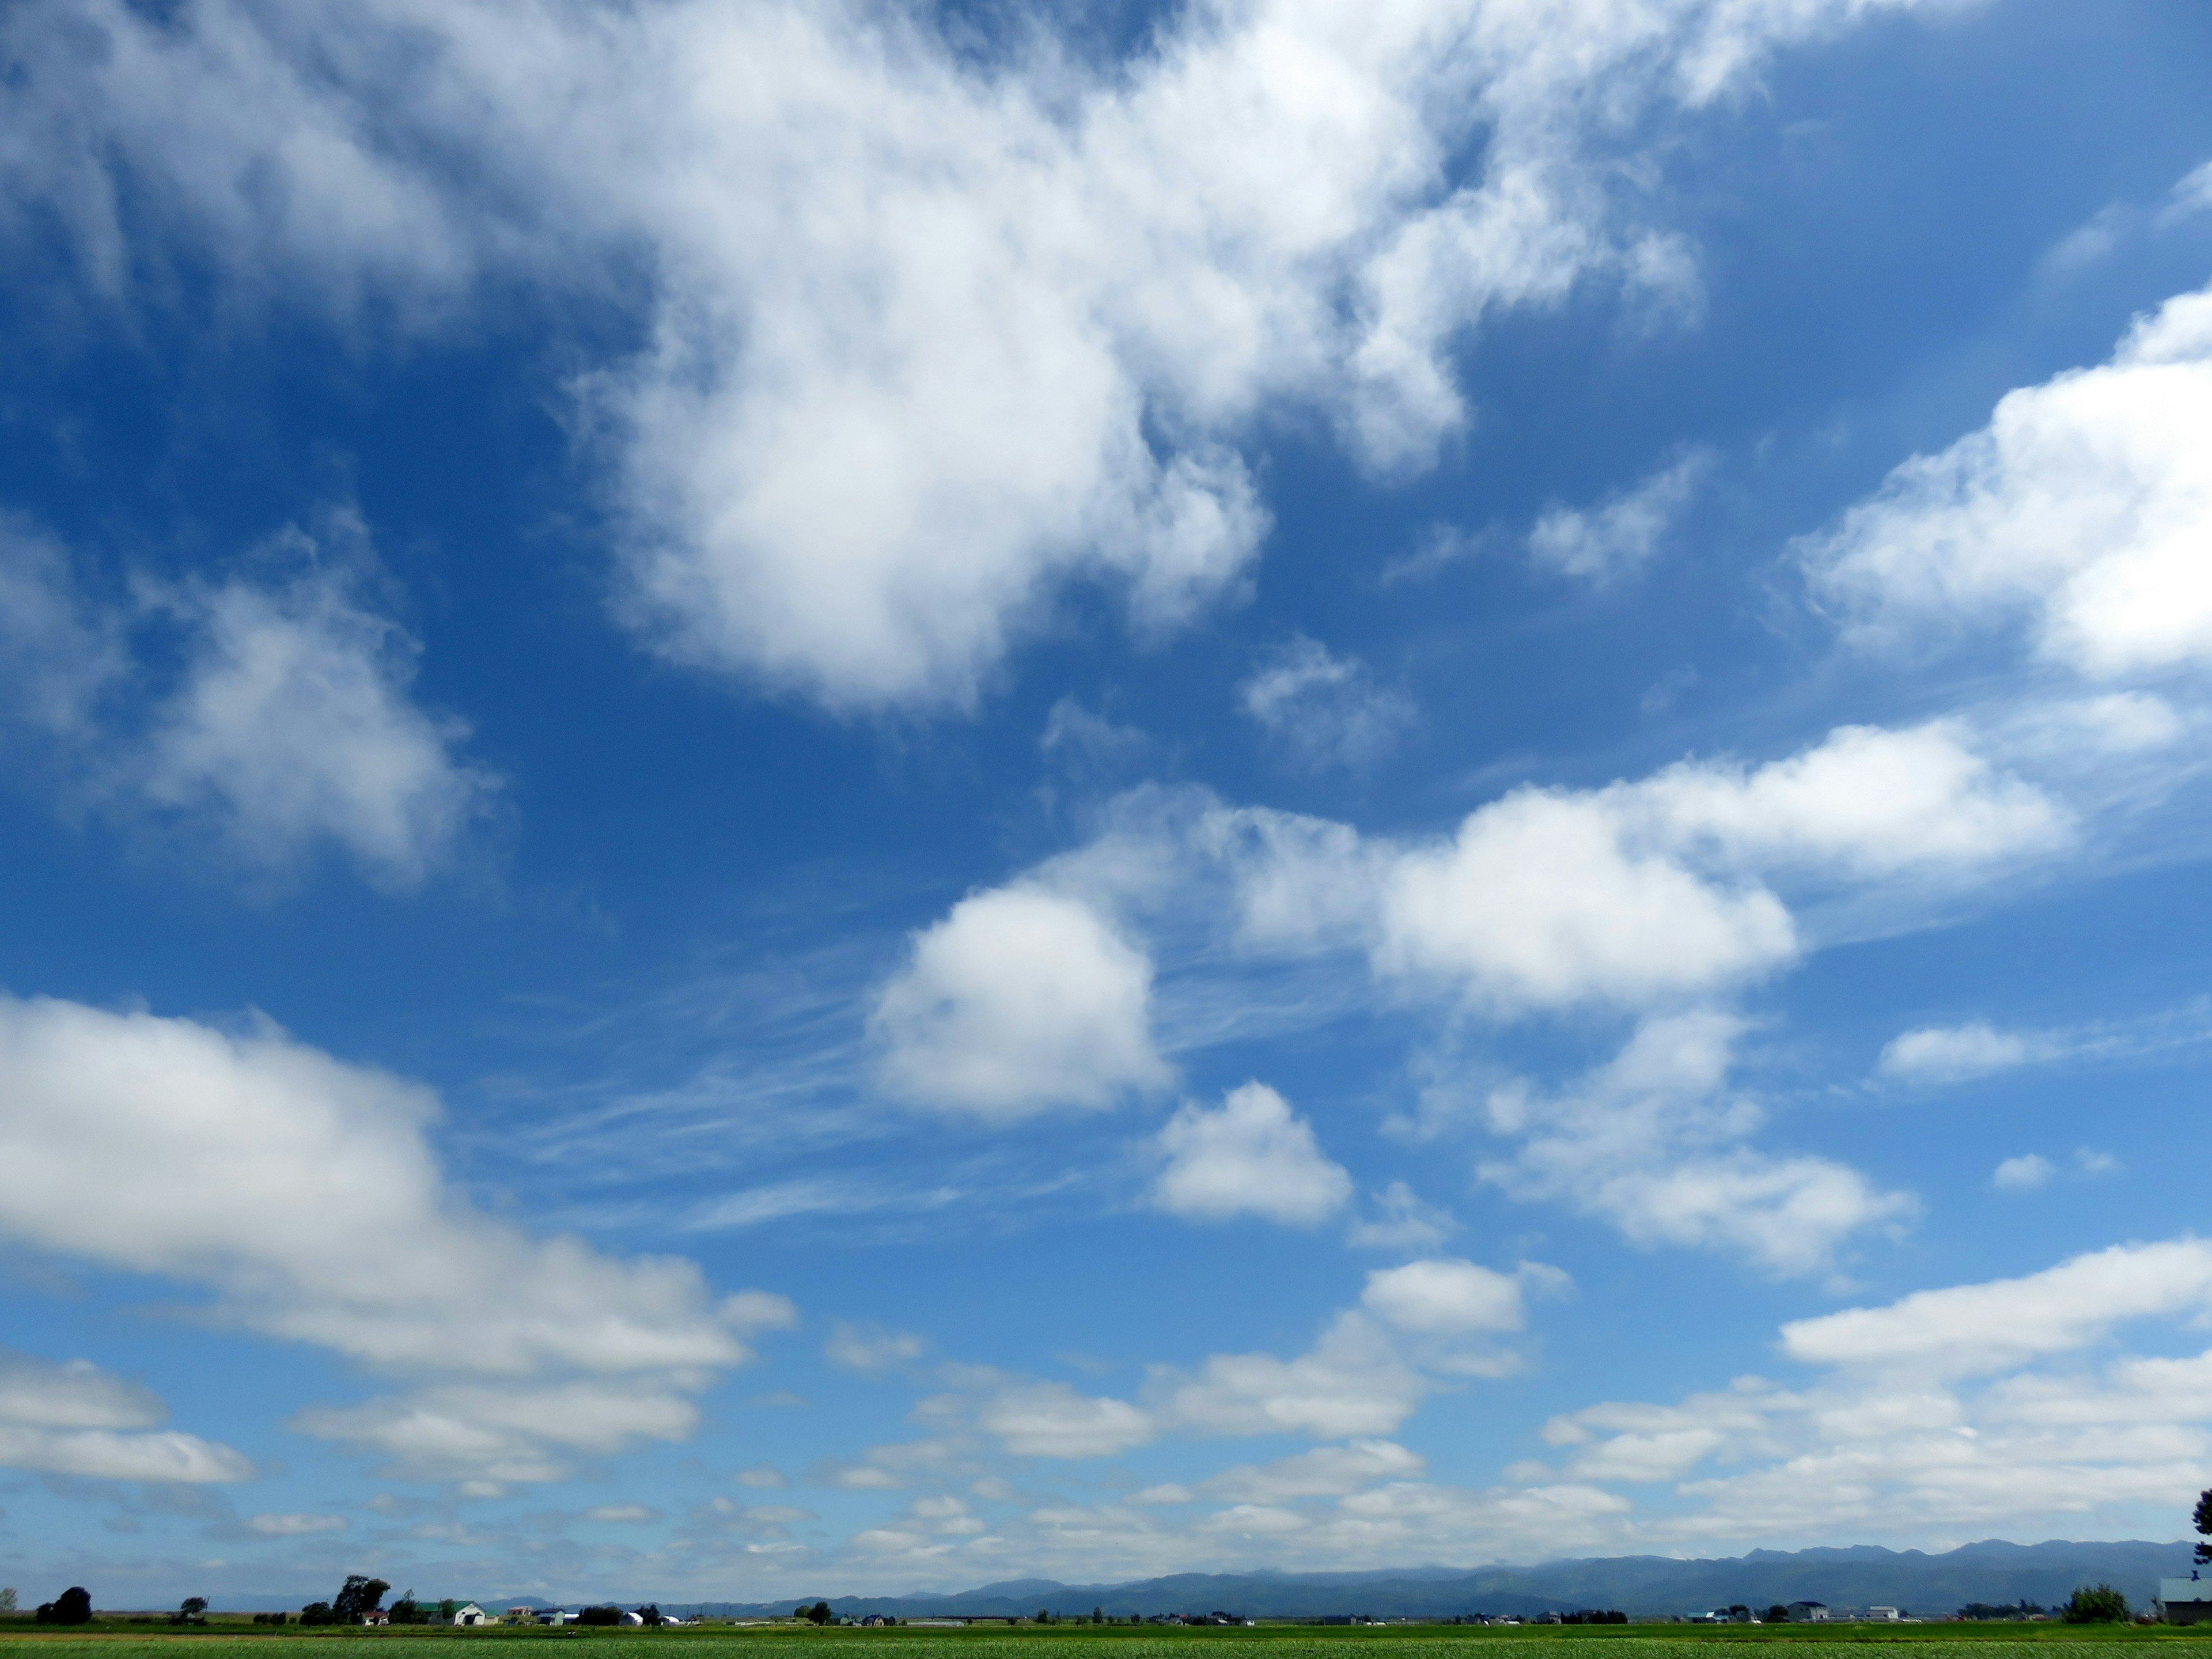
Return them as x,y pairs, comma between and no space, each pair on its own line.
7,1601
650,1613
1777,1614
607,1615
408,1611
357,1598
2203,1521
190,1611
819,1613
447,1608
72,1607
318,1613
1097,1615
2099,1604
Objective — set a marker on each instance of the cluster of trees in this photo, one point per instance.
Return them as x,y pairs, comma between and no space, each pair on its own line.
1594,1616
2096,1604
192,1610
817,1615
72,1607
7,1601
357,1598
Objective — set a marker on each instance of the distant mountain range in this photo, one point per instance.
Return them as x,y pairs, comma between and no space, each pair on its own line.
1640,1585
1861,1575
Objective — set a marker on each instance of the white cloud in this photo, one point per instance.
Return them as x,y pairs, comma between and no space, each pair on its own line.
294,727
1641,893
505,1430
1403,1222
295,1526
1444,1298
76,1419
2192,194
927,339
1050,1419
1539,902
1328,710
1623,530
1893,1440
1974,1328
859,1348
288,726
2080,509
1947,1053
1653,1141
301,1192
1865,801
621,1514
59,651
1252,1156
1353,1383
1324,1472
765,1476
2022,1174
1019,1001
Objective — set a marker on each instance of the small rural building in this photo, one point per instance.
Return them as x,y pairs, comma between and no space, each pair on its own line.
470,1613
2184,1600
1808,1613
1883,1615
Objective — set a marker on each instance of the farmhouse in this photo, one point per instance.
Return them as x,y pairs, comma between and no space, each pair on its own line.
2184,1600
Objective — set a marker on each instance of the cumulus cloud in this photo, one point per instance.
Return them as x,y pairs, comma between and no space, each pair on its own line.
1050,1419
2079,512
1949,1054
75,1419
300,1191
1540,901
1655,1142
1975,1328
1030,304
1444,1298
1644,892
288,725
1252,1156
1402,1222
294,727
1969,1407
1020,1000
1625,529
2023,1174
1326,709
1353,1381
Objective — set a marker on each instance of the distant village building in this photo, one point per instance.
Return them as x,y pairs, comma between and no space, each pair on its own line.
1884,1615
2184,1600
470,1613
1808,1613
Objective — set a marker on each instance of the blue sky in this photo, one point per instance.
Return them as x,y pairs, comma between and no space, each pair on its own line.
834,798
